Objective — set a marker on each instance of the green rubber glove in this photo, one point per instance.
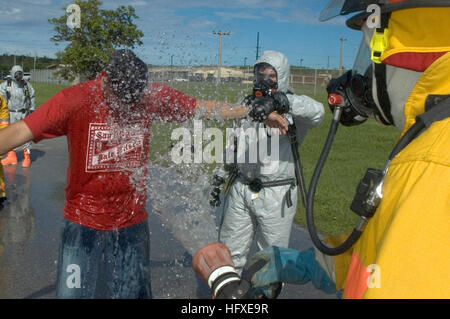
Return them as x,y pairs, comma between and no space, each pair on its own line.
283,265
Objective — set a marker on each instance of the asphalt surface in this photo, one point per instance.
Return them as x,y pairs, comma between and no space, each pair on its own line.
31,222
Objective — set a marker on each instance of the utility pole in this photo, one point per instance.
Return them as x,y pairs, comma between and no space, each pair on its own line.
219,65
245,65
301,63
171,67
342,54
315,80
257,47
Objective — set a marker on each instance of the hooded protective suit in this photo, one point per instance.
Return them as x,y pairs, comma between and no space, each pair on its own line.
19,103
267,212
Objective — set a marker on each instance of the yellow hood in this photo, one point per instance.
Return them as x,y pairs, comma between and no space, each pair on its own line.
434,81
417,37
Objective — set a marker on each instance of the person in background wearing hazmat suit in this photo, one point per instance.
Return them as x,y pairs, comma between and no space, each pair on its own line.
262,195
19,95
404,250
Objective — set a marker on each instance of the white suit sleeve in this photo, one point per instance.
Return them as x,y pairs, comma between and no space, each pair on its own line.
33,103
306,112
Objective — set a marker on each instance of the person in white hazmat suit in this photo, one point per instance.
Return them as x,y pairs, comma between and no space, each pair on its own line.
19,95
262,198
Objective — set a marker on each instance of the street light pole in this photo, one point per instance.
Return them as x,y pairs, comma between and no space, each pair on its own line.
315,81
342,54
171,68
219,65
245,66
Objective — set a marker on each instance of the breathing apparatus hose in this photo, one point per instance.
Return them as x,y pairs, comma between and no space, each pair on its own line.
297,162
357,231
300,178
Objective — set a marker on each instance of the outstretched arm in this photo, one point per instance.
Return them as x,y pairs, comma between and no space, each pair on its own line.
214,109
13,136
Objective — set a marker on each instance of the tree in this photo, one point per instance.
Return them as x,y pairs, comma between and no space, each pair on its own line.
101,32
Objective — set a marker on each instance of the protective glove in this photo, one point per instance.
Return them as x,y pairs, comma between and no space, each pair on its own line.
215,193
283,265
281,103
261,108
214,200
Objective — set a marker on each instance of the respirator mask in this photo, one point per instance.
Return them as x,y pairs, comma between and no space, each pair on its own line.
266,99
18,76
353,91
265,82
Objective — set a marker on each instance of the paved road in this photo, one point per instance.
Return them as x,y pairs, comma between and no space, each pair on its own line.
31,221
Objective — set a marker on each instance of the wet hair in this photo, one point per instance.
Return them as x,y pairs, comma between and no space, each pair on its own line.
127,75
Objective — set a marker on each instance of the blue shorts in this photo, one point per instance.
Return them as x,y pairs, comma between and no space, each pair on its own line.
117,259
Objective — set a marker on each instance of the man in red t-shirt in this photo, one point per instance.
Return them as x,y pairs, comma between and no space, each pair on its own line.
107,123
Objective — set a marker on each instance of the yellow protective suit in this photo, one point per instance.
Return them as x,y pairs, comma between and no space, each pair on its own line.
4,122
404,251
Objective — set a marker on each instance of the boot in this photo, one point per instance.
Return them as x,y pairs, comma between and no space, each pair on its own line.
26,158
10,159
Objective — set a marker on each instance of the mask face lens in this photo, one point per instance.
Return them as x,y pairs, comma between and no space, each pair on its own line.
362,61
357,85
360,84
267,76
333,9
266,73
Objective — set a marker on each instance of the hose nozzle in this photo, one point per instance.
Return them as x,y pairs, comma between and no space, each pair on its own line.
215,267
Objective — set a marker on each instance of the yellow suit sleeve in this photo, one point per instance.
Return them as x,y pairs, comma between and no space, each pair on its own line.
4,113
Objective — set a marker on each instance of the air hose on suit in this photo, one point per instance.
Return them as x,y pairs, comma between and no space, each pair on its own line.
356,233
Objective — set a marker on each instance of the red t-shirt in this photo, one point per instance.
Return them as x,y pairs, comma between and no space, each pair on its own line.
104,152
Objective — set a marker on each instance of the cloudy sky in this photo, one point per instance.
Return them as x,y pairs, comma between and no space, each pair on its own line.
184,29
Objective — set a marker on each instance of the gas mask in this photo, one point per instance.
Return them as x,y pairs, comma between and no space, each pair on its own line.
265,82
18,76
355,90
266,99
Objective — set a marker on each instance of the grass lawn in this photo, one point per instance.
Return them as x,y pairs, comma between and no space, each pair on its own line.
355,149
44,92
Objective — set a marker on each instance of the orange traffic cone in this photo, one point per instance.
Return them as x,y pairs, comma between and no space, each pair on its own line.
26,158
10,159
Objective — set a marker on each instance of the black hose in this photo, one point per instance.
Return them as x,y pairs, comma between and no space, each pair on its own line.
354,236
297,163
301,178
